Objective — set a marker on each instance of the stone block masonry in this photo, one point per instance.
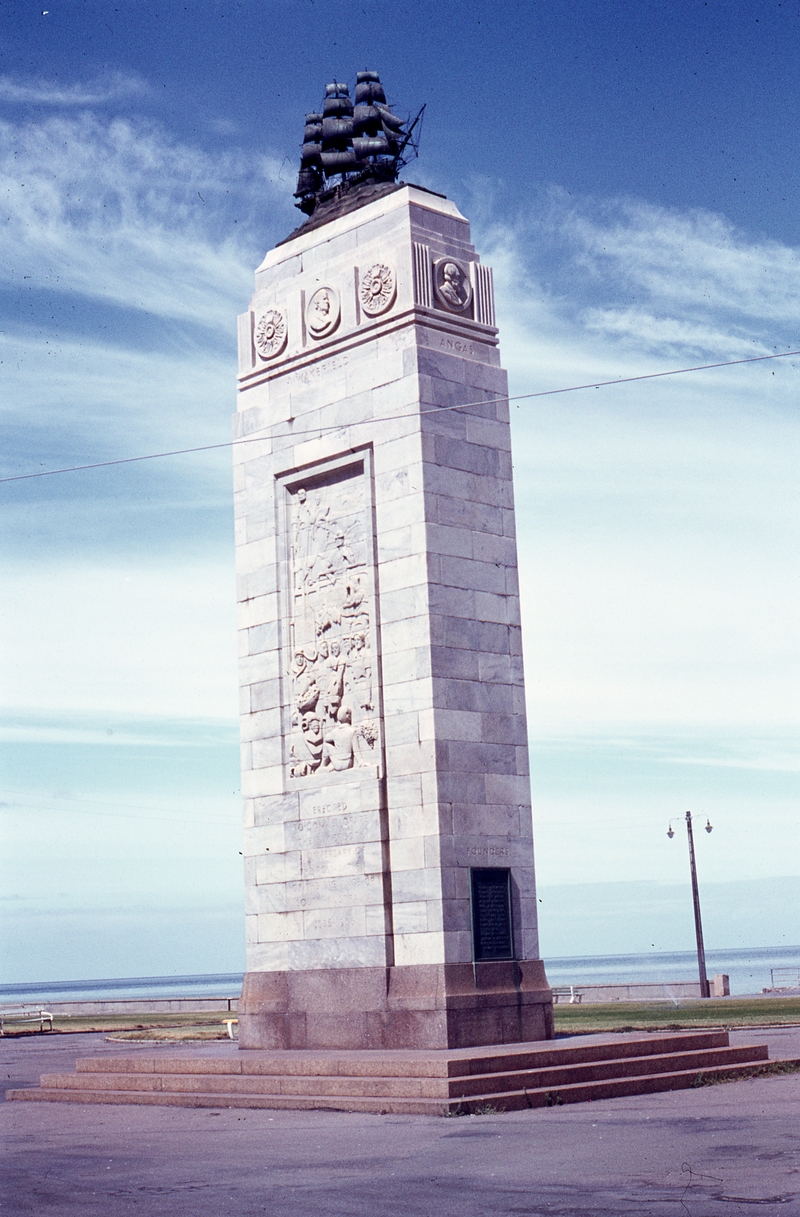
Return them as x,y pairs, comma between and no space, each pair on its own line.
384,748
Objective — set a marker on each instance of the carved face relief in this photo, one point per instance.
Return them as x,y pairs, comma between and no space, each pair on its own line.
378,289
322,312
451,285
330,672
270,333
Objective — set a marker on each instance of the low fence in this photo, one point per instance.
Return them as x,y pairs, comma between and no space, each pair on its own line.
783,978
142,1005
677,991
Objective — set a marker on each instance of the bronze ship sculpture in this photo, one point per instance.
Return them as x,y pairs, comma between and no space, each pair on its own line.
349,145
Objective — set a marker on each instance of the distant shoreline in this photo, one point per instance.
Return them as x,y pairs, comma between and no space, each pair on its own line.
749,969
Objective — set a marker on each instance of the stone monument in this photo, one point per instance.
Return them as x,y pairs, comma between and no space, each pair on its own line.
388,841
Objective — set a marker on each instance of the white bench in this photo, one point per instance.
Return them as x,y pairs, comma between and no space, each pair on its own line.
25,1014
567,991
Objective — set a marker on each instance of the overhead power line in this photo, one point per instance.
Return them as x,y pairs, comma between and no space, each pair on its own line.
318,430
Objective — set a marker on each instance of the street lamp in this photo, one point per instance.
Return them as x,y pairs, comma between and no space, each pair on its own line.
705,991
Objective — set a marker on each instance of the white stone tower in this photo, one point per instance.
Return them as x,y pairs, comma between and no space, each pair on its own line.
388,841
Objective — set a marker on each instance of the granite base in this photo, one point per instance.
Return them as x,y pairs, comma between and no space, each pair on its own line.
419,1006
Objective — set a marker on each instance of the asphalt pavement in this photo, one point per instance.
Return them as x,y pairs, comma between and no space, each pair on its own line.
715,1151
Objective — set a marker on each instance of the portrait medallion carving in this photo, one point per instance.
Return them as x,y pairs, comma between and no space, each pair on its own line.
322,312
451,285
270,333
330,667
378,289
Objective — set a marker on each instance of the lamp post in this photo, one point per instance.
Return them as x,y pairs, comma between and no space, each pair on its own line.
705,991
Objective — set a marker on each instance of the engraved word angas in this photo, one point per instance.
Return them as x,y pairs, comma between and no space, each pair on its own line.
378,289
331,672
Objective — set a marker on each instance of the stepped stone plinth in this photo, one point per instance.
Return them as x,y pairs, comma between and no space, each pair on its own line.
439,1082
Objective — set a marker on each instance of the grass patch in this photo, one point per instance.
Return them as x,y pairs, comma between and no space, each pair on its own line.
63,1024
172,1035
667,1016
768,1070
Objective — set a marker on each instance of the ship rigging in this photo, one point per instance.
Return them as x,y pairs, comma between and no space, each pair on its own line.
356,144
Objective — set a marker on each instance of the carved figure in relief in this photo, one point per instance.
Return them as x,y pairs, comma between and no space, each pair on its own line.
322,307
336,559
322,313
306,691
361,669
334,690
353,597
452,285
301,534
307,756
310,535
331,669
339,741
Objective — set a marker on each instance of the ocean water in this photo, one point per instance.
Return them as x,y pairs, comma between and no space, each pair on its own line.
749,970
224,984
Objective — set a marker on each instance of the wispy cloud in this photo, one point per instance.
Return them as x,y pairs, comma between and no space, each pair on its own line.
117,86
118,211
603,287
656,521
697,260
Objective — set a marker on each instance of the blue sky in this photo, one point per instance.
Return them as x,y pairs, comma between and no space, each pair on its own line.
631,173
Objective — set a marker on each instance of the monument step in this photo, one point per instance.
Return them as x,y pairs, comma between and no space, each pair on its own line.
502,1058
410,1082
405,1087
544,1096
573,1074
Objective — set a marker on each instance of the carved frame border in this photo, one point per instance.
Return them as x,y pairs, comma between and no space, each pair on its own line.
285,484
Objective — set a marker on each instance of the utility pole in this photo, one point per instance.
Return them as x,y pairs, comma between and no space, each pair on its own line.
705,990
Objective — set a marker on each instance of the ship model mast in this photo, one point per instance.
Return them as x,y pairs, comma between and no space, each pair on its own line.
355,144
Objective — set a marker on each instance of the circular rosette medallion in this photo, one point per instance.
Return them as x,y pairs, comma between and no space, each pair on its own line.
452,286
270,334
322,312
378,288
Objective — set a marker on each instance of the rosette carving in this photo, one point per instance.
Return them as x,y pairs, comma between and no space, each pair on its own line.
378,289
270,334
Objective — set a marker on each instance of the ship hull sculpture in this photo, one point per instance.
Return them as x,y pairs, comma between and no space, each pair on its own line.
388,843
358,144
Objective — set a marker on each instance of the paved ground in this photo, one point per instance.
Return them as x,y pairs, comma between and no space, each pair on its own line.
720,1150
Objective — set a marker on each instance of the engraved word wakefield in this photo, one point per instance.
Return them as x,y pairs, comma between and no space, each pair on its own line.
390,897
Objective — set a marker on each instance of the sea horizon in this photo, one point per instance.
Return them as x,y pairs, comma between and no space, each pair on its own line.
749,970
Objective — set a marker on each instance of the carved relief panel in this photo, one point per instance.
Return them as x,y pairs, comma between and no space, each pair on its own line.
451,285
323,311
330,666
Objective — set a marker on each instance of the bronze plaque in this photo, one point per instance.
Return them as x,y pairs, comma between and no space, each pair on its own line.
492,936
